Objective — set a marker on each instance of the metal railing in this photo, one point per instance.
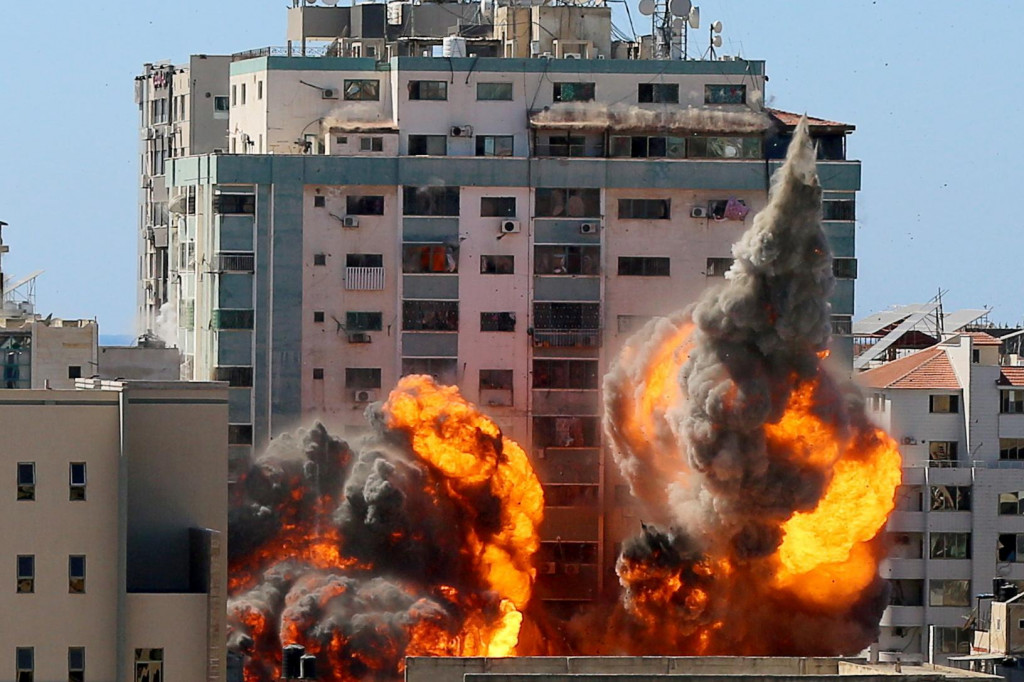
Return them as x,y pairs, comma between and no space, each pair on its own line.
236,262
283,51
364,279
591,151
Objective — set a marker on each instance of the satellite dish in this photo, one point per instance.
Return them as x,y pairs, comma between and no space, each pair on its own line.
717,41
680,8
716,27
695,17
646,7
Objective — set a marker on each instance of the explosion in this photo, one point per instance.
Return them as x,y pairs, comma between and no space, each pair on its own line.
763,487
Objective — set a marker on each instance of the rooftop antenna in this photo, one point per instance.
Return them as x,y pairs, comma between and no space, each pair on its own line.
3,250
667,18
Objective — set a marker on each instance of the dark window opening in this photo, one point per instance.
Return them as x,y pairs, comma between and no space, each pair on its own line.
76,574
839,209
364,260
657,93
428,145
364,205
244,204
362,377
363,321
497,265
319,259
644,266
239,434
444,370
573,92
644,209
570,374
428,90
237,377
497,322
571,203
567,260
944,404
438,316
319,201
318,373
318,316
844,268
497,207
430,201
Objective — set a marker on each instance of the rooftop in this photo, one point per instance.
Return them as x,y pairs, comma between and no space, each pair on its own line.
929,368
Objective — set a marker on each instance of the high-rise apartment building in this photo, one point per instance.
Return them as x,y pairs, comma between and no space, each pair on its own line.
500,222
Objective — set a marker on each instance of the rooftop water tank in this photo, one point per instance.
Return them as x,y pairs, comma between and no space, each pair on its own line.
454,46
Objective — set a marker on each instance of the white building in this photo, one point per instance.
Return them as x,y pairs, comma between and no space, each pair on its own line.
114,534
959,522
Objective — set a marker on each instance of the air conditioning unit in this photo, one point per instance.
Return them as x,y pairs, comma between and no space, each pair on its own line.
359,337
350,221
364,396
601,56
509,226
699,212
328,93
548,568
589,228
461,131
572,569
572,55
545,55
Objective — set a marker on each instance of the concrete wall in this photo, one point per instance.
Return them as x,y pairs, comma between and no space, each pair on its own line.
59,346
145,364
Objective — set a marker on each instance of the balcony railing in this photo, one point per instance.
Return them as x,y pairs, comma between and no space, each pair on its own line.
590,151
364,279
283,51
577,338
236,262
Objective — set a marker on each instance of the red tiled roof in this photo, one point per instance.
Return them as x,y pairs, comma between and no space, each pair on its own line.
929,368
982,339
789,119
1011,376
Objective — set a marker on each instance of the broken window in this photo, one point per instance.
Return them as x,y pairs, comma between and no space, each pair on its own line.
644,209
26,578
724,147
906,592
942,453
906,545
497,207
725,94
573,92
494,145
838,209
362,377
717,267
569,374
496,387
421,258
494,91
1012,401
362,89
76,574
430,201
566,432
444,370
363,322
428,145
644,266
432,90
844,268
1011,448
364,260
944,404
950,546
571,203
497,322
220,104
370,204
949,593
842,325
26,480
497,265
908,498
950,498
1010,547
76,481
432,316
566,316
567,260
1011,503
657,93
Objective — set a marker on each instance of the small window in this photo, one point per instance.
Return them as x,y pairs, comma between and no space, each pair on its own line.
428,145
666,93
362,377
239,434
433,316
149,665
494,91
573,92
644,209
432,90
842,325
717,267
318,373
319,259
429,258
430,201
234,95
570,203
24,663
566,260
644,266
221,104
319,201
944,404
497,322
363,322
364,260
237,377
725,94
74,371
76,664
942,453
362,89
371,144
242,99
371,204
318,316
235,204
497,207
844,268
26,573
497,265
1011,448
76,574
26,480
494,145
570,374
1011,402
839,209
259,89
76,481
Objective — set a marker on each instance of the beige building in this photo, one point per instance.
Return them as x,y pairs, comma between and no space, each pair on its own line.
114,534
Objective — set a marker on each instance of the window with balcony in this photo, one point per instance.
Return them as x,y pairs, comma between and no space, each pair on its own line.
363,321
724,148
645,209
949,593
364,271
76,481
570,203
942,453
567,374
430,201
497,265
494,145
647,147
575,146
497,207
950,546
566,316
644,266
494,91
573,92
428,90
1012,401
362,89
26,574
944,404
566,260
430,316
725,94
950,498
657,93
497,322
429,258
428,145
370,204
233,319
1011,448
26,478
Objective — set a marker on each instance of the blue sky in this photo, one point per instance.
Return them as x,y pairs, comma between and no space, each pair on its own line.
929,88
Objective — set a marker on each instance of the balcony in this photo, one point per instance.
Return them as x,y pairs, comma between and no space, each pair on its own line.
236,262
364,279
578,338
586,150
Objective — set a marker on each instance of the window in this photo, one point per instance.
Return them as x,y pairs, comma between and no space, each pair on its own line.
243,94
241,204
363,322
1011,448
955,640
259,89
319,259
906,545
566,316
644,266
944,404
362,89
76,664
362,377
658,93
942,453
571,203
26,573
444,370
494,91
364,260
430,201
239,434
842,325
717,267
429,258
908,498
318,373
1011,503
724,147
496,387
571,374
906,592
74,371
76,574
644,146
220,104
567,260
233,319
26,480
497,322
949,593
494,145
876,401
497,265
725,94
371,144
1011,402
234,95
497,207
370,204
433,90
318,316
566,432
844,209
24,663
950,546
149,665
573,92
644,209
434,316
237,377
319,201
428,145
844,268
76,481
950,498
1010,547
